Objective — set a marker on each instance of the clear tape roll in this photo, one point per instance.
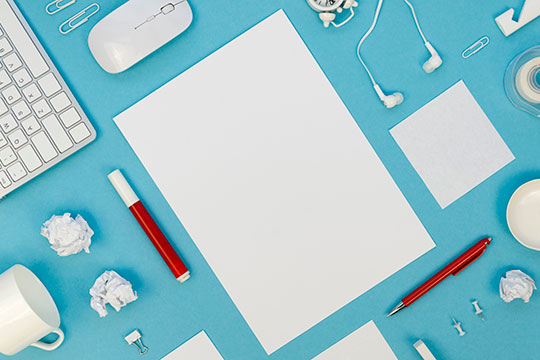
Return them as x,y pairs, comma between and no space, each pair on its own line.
527,78
522,81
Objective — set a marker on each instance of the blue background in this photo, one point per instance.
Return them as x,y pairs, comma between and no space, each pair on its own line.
168,313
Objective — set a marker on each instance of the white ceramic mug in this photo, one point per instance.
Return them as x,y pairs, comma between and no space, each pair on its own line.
27,312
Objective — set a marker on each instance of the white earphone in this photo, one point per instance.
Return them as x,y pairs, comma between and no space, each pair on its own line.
389,100
434,62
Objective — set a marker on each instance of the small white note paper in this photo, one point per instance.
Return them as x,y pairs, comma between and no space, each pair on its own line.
365,343
199,347
274,181
452,144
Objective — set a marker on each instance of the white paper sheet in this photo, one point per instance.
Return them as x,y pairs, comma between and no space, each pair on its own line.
452,144
365,343
199,347
274,181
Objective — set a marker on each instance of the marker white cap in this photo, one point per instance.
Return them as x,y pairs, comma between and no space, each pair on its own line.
423,350
123,188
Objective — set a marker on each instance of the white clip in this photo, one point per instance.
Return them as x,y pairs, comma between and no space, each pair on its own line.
457,325
72,25
477,309
135,339
58,5
529,12
476,47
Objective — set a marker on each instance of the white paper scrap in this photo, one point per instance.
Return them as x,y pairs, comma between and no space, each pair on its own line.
66,235
516,285
199,347
365,343
111,288
452,144
274,181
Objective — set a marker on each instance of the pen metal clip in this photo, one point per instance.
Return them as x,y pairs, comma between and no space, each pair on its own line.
474,48
71,23
58,5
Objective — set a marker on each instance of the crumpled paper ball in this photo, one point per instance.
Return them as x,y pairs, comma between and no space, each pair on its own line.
516,285
111,288
66,235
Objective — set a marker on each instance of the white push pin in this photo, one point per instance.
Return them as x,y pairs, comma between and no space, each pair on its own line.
457,325
477,309
135,338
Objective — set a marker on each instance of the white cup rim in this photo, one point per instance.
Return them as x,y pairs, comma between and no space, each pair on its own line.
36,296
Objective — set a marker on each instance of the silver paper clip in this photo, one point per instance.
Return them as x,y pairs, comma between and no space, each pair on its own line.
58,5
474,48
135,339
72,25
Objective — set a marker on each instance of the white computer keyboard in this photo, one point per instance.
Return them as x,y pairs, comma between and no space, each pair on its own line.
41,123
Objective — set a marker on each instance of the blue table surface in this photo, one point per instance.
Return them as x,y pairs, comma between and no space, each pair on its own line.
168,313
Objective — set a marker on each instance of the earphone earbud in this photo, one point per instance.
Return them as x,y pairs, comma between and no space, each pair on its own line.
389,100
429,66
434,61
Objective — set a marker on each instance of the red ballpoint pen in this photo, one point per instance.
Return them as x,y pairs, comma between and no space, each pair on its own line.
454,268
162,245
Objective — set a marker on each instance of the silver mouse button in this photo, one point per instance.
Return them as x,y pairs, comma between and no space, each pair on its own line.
167,9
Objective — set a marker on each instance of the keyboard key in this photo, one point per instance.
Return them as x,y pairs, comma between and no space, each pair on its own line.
12,62
70,117
16,171
3,141
4,180
44,147
23,43
5,80
60,102
3,108
11,94
31,93
22,77
5,47
41,108
30,158
57,133
8,123
21,110
30,125
17,138
79,133
7,156
49,85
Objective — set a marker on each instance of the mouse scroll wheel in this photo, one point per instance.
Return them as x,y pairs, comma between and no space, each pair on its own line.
167,9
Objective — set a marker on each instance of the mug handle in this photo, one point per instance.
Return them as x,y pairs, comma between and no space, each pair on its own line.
51,346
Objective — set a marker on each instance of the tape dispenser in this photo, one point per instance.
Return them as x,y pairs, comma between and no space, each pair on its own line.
522,81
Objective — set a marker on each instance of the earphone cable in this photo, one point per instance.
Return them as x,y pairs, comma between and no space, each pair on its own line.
416,21
375,18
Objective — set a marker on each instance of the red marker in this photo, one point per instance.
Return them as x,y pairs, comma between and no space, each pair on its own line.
162,245
454,268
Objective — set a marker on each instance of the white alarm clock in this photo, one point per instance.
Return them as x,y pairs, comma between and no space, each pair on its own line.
327,10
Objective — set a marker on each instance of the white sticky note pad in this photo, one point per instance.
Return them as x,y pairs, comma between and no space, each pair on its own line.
199,347
274,181
365,343
452,144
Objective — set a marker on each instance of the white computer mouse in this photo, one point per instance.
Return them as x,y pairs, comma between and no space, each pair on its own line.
135,30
